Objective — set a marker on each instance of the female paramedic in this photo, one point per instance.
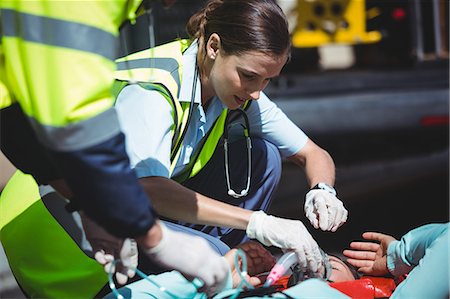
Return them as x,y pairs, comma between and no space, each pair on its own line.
205,141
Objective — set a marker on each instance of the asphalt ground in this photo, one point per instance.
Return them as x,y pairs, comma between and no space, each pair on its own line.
379,197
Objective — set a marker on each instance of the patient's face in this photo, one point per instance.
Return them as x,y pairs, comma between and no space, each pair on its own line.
340,271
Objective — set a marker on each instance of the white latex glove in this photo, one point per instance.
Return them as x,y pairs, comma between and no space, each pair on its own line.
286,234
191,256
324,210
128,256
107,248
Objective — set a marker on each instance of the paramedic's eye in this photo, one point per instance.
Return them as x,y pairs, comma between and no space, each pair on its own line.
248,76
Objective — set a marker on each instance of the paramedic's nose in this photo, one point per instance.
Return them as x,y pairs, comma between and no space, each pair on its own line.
255,94
256,89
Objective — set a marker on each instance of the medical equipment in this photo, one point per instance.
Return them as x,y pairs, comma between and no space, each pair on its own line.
196,282
243,192
324,273
283,264
289,260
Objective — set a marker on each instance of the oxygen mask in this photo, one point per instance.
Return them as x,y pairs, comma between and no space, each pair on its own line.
299,274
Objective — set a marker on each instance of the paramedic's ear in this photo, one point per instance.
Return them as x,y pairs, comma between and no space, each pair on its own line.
213,46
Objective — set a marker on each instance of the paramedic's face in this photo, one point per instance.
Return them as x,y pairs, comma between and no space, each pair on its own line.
237,78
340,271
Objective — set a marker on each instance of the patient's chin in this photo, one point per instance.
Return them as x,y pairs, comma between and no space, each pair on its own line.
338,276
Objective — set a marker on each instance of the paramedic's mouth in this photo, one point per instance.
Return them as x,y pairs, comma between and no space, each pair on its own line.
239,100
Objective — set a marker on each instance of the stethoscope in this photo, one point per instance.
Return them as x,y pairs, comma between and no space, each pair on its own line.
243,192
230,192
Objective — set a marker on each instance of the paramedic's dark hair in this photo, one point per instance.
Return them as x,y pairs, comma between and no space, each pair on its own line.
250,25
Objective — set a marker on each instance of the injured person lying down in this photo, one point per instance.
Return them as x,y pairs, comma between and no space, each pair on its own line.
392,268
250,265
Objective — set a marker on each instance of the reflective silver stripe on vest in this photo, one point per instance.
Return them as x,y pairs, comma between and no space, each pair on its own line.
54,32
70,222
79,135
167,64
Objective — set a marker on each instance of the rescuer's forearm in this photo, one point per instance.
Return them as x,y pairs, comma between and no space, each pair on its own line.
172,200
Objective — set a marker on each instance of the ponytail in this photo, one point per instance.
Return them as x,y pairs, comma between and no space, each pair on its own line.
196,25
242,25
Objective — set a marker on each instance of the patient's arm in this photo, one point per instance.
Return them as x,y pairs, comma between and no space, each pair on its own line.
369,257
422,253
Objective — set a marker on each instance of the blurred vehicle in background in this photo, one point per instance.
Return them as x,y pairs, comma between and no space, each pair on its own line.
378,34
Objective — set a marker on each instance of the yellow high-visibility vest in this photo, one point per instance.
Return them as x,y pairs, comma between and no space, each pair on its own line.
45,260
160,69
57,62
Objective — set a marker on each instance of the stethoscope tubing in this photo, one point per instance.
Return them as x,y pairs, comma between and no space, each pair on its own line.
243,192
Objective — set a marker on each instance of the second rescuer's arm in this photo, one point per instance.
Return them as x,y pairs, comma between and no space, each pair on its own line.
120,185
323,209
187,254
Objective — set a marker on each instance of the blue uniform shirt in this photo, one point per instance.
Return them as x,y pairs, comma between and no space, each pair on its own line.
146,119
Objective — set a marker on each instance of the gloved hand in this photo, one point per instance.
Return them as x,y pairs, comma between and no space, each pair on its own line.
191,256
324,210
107,248
286,234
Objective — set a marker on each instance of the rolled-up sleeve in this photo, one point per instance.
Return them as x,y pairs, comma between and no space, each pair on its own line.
269,122
146,120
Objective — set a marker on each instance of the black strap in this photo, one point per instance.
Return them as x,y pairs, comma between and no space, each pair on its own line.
256,292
